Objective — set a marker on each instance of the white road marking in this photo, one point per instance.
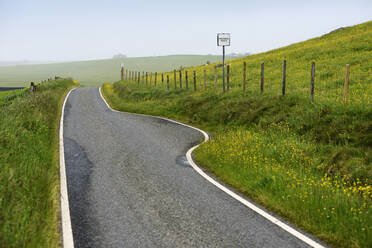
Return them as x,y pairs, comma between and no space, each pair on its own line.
68,240
258,210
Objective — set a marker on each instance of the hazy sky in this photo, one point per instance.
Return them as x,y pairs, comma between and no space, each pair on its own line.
81,30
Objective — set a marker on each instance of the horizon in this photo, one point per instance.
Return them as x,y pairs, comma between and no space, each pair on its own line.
91,30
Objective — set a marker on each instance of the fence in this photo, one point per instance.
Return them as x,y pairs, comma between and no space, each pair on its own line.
9,97
315,81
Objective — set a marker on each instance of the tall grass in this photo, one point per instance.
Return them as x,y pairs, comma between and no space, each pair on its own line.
29,174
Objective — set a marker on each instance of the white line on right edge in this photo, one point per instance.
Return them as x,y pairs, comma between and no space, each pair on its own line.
68,240
258,210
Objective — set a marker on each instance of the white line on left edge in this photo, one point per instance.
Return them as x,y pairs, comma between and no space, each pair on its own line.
68,240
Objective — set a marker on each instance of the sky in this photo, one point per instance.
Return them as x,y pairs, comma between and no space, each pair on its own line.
68,30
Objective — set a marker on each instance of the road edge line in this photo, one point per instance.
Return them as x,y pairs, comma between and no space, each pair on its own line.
67,237
237,197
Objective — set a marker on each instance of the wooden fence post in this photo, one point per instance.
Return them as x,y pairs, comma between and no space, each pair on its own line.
205,80
162,79
32,87
284,71
215,77
186,79
262,76
122,73
194,81
168,82
346,86
126,74
180,79
156,76
147,75
244,74
312,81
228,77
175,79
150,78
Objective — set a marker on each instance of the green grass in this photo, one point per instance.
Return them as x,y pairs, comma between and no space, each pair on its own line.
29,175
96,72
311,163
9,95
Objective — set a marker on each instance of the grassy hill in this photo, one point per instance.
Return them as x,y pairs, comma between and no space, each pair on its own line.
96,72
309,162
330,52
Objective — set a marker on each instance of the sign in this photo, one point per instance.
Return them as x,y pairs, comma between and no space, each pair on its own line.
223,39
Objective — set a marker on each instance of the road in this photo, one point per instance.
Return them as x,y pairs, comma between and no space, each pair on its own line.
130,185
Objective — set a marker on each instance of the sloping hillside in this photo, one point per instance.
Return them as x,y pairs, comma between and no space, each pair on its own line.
331,53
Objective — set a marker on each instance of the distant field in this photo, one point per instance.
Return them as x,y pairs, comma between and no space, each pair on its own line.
96,72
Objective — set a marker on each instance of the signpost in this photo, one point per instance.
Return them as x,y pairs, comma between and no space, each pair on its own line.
223,39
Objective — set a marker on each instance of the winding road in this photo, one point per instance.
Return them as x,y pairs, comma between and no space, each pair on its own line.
130,185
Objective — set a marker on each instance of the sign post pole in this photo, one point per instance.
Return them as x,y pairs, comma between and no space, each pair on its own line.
223,39
223,68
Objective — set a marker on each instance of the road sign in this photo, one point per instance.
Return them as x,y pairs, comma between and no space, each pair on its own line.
223,39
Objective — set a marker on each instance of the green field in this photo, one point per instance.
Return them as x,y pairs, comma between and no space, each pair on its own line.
29,175
309,162
96,72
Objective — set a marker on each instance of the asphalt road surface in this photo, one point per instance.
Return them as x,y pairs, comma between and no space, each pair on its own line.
130,185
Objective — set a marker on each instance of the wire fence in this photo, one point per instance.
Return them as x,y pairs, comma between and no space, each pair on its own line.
317,82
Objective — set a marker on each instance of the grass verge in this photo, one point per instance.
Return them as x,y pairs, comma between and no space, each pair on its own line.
29,175
308,162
